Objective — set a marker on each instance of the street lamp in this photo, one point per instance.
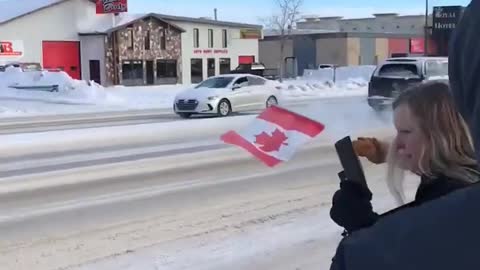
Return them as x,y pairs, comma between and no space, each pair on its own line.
425,43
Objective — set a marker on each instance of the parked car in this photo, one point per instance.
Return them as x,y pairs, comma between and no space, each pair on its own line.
25,66
395,75
258,69
225,94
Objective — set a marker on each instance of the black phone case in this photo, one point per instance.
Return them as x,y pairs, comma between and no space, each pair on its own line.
352,168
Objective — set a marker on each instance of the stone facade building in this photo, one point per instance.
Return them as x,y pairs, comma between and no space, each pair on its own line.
145,51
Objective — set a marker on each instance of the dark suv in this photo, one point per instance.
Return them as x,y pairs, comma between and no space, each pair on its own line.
397,74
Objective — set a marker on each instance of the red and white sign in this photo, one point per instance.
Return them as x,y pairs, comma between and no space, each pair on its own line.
111,6
11,49
275,135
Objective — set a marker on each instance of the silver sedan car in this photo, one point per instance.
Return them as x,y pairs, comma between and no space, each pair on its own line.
224,94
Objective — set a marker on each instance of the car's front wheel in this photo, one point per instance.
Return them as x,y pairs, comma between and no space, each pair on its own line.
224,108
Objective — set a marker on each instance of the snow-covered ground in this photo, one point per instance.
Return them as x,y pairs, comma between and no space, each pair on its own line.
351,115
76,96
280,239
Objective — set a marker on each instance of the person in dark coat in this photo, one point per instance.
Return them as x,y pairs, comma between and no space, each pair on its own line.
432,141
445,232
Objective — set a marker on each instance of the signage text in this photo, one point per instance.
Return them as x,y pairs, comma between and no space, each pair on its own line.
210,51
11,49
111,6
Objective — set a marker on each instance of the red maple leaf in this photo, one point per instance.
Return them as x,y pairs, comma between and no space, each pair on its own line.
271,143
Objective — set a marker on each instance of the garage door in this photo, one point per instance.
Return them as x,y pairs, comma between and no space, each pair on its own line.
63,55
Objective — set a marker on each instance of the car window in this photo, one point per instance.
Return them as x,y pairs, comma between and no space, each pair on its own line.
399,70
256,81
243,81
436,68
217,82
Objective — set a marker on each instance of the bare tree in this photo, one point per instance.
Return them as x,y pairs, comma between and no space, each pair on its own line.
282,24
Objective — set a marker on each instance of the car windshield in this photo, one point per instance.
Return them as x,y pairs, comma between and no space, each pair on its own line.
399,70
219,82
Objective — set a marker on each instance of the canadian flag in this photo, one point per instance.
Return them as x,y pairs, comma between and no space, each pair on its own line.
275,135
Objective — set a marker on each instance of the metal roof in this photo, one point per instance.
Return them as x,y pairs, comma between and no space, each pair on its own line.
208,21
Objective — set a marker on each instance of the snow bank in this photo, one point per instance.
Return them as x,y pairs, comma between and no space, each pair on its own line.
70,91
343,74
350,81
91,97
304,89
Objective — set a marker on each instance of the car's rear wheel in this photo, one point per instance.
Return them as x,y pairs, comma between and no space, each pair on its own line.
271,101
185,115
224,108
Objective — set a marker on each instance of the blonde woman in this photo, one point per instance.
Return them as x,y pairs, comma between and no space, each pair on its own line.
432,141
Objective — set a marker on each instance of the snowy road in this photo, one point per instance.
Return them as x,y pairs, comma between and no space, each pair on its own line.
30,124
171,196
225,211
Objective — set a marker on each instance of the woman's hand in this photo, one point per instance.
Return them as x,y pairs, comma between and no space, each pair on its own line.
352,207
371,148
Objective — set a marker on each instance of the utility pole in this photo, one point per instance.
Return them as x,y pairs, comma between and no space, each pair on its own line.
425,48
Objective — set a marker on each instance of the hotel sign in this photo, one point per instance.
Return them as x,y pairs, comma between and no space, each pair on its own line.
445,18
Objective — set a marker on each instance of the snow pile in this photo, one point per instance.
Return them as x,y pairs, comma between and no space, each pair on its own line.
350,81
70,91
300,89
91,97
341,73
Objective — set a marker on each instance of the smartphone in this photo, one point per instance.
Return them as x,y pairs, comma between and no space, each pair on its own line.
352,168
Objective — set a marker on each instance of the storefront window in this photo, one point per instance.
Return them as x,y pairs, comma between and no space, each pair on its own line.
166,68
166,71
197,70
225,65
132,70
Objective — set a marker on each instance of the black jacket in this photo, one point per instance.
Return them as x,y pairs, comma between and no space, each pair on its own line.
446,231
431,189
348,212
